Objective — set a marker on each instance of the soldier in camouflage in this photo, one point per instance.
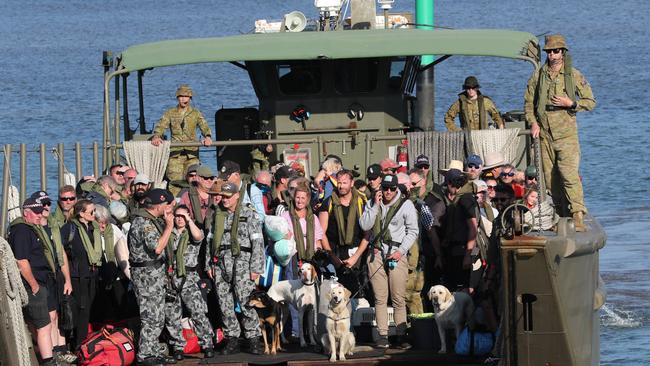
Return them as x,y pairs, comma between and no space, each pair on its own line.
151,229
182,120
236,260
555,93
183,264
473,108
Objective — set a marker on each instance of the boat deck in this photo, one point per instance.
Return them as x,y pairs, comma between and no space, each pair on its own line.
295,356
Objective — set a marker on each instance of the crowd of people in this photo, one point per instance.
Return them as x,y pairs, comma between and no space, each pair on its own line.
115,247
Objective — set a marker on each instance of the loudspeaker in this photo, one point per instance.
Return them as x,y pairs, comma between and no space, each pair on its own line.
295,21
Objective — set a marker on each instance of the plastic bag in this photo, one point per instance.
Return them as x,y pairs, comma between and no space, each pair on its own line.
276,227
283,250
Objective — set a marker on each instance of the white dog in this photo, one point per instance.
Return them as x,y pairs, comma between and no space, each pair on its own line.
452,311
302,295
338,324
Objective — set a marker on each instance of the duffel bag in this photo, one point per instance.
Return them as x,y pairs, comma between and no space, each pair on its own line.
474,343
108,346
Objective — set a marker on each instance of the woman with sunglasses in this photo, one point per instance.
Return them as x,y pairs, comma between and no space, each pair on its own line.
82,242
511,177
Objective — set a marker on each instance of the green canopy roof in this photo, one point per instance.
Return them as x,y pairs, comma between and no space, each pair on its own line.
332,45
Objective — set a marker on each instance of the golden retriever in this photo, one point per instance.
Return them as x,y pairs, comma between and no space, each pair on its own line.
452,311
338,334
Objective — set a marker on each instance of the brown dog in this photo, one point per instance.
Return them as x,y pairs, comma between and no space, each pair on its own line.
270,313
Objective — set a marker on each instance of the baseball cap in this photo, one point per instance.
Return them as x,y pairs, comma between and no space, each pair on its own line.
228,189
141,178
388,163
41,197
204,171
474,159
422,160
389,181
373,171
192,169
33,205
97,199
227,168
284,172
453,174
157,196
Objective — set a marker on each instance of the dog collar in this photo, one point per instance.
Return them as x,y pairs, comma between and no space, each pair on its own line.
338,319
309,283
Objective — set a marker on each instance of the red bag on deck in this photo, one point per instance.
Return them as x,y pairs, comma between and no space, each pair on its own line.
192,342
108,346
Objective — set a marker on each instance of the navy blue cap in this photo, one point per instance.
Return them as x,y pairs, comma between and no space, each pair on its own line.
474,159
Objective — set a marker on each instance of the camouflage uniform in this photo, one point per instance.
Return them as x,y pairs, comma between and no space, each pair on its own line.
149,283
472,113
232,274
187,289
559,136
183,129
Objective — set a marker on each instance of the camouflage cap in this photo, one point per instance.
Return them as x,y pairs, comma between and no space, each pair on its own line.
554,41
471,82
184,90
228,189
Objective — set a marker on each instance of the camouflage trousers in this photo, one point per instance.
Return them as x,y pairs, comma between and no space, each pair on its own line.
176,167
561,162
190,295
414,287
233,284
150,287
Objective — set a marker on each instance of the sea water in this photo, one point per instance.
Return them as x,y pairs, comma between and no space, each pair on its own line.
51,91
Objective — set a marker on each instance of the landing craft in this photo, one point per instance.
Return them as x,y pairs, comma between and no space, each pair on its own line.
353,87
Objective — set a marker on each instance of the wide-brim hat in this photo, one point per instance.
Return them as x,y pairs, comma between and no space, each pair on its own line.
471,82
554,41
454,164
494,159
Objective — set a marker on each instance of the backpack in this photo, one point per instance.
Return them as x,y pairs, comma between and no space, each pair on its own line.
108,346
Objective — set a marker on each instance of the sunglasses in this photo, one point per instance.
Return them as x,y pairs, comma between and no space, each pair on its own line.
531,178
491,187
67,198
473,166
208,178
554,51
46,203
392,189
191,174
423,167
119,173
510,174
177,216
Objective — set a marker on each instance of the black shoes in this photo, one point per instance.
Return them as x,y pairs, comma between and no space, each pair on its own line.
208,353
255,346
232,346
382,342
402,342
152,361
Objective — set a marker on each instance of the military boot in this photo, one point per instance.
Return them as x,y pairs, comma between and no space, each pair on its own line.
232,346
578,222
255,346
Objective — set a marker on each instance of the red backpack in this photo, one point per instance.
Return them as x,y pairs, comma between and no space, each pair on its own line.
108,346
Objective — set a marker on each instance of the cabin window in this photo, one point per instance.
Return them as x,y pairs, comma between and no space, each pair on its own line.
299,78
356,76
396,73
